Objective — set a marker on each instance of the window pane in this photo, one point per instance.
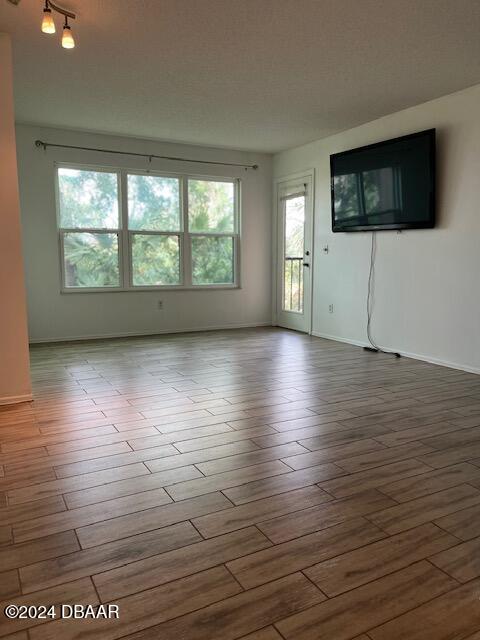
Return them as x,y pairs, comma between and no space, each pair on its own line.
155,260
294,226
211,206
153,203
88,199
212,260
91,259
293,285
293,258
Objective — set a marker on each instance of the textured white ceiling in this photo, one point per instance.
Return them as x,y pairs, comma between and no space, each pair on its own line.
249,74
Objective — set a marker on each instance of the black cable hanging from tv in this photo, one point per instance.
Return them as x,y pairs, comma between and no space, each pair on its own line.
371,275
371,280
150,156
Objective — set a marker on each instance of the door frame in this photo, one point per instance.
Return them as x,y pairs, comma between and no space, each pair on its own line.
309,176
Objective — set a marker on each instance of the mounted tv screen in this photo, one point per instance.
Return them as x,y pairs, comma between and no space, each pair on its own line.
389,185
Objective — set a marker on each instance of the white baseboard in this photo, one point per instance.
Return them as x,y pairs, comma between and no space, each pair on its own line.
133,334
356,343
405,354
27,397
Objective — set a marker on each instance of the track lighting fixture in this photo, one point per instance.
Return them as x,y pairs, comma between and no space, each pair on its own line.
48,24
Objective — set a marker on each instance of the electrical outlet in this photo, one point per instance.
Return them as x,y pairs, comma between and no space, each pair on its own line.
330,308
160,304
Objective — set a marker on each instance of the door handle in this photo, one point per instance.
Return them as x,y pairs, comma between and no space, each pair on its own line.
306,264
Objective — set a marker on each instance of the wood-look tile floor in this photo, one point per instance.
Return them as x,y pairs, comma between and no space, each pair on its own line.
255,484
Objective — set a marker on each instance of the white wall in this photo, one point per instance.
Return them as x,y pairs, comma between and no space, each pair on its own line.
55,316
14,362
427,295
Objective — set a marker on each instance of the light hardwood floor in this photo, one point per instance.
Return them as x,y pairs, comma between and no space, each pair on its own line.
255,484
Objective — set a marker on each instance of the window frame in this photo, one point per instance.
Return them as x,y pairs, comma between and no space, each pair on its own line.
125,235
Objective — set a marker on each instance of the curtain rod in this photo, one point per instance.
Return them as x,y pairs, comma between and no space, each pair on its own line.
150,156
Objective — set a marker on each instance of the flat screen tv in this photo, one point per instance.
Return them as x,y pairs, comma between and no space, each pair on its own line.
388,185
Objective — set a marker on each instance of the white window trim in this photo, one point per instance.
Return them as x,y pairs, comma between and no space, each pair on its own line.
124,234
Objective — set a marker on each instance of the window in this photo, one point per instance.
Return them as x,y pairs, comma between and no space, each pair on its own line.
211,217
154,223
90,228
121,230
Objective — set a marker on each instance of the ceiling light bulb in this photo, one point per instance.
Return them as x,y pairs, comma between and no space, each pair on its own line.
48,25
67,38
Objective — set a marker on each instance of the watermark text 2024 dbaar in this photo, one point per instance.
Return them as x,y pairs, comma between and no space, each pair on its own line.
62,611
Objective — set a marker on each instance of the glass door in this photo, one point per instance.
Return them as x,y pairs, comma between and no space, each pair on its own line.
294,263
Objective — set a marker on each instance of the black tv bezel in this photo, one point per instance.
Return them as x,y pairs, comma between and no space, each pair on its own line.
427,224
